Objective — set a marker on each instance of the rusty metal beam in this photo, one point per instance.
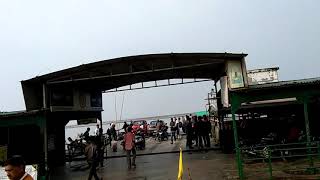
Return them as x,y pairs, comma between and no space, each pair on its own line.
156,85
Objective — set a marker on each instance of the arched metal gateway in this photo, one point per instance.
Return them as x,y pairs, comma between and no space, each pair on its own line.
109,74
76,93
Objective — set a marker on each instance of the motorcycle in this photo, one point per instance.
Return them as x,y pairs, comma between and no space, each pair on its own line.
163,135
261,149
140,140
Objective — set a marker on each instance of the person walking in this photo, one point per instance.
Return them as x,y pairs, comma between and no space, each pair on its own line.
100,146
178,125
113,132
129,145
208,127
201,132
96,131
193,123
125,126
173,130
92,156
86,134
184,123
196,127
109,139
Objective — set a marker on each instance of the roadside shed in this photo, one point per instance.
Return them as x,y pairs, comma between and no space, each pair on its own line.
23,133
304,94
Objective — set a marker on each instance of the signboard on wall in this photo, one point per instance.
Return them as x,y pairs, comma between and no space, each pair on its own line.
262,76
235,75
51,142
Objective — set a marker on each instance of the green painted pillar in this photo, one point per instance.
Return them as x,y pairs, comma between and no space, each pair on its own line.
269,163
235,103
42,167
306,120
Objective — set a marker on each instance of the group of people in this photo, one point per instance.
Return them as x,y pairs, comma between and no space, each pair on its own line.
94,150
198,129
128,142
113,133
175,126
95,147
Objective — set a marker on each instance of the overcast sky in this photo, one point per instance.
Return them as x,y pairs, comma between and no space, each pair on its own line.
38,37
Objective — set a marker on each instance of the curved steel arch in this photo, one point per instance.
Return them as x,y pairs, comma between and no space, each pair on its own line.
110,74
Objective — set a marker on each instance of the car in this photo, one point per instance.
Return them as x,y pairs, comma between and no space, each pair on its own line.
138,125
152,127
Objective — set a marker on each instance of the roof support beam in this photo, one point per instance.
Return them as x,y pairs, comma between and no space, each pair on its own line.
134,73
156,85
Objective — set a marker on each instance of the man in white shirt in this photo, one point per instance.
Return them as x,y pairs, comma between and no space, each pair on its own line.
96,131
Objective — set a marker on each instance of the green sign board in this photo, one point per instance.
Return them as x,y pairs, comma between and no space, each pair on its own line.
201,113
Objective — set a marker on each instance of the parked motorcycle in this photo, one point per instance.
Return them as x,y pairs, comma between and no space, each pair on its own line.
278,148
260,150
163,135
140,141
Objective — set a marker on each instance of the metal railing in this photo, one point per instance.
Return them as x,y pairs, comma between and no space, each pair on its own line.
294,158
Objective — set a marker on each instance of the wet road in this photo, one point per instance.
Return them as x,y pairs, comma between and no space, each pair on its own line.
203,165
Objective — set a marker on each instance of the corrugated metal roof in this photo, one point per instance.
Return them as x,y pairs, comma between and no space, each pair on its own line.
11,112
282,84
114,73
165,58
18,113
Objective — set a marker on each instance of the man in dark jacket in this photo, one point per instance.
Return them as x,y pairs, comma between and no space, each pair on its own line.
173,128
125,126
201,132
86,134
207,130
113,132
92,156
189,132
